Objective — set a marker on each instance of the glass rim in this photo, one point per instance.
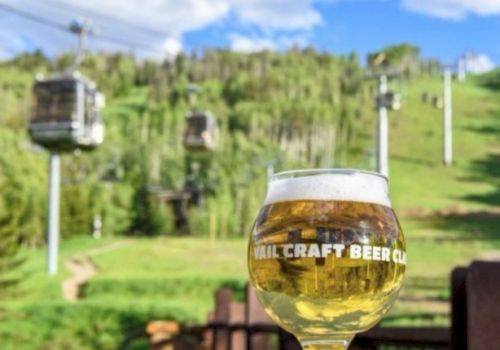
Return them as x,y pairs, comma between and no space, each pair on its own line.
287,174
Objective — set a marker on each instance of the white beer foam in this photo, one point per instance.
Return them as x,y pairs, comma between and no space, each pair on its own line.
352,186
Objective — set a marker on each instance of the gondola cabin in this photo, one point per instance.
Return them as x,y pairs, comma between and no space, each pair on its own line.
201,131
390,100
393,100
66,113
437,102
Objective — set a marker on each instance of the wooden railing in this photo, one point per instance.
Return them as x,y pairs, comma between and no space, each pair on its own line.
245,326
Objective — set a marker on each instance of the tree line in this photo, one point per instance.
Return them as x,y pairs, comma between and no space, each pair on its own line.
295,109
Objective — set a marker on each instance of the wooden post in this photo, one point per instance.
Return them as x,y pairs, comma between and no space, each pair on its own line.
237,315
458,309
483,305
223,299
255,314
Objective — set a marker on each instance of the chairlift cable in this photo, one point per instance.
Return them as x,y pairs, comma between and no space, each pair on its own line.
126,43
33,17
61,27
94,13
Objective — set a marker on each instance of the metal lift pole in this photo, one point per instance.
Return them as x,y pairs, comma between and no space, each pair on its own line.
55,175
82,45
447,120
382,131
82,30
192,91
53,213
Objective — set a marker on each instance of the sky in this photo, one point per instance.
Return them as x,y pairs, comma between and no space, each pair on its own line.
444,29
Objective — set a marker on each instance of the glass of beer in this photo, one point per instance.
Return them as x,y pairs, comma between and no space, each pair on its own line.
327,254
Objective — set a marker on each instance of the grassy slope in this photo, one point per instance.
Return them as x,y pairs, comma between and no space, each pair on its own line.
419,180
161,277
184,271
138,280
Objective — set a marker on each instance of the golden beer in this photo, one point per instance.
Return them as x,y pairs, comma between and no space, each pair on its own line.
329,264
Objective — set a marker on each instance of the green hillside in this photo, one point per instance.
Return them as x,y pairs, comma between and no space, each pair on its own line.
418,179
449,215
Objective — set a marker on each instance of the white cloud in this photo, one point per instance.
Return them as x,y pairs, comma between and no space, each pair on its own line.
242,43
454,9
477,63
172,46
278,14
177,16
165,22
170,16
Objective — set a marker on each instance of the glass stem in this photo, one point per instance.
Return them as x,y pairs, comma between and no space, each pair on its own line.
340,342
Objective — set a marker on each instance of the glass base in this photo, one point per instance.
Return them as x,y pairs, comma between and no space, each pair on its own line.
338,342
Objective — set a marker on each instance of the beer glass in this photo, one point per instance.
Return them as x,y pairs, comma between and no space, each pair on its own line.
327,254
